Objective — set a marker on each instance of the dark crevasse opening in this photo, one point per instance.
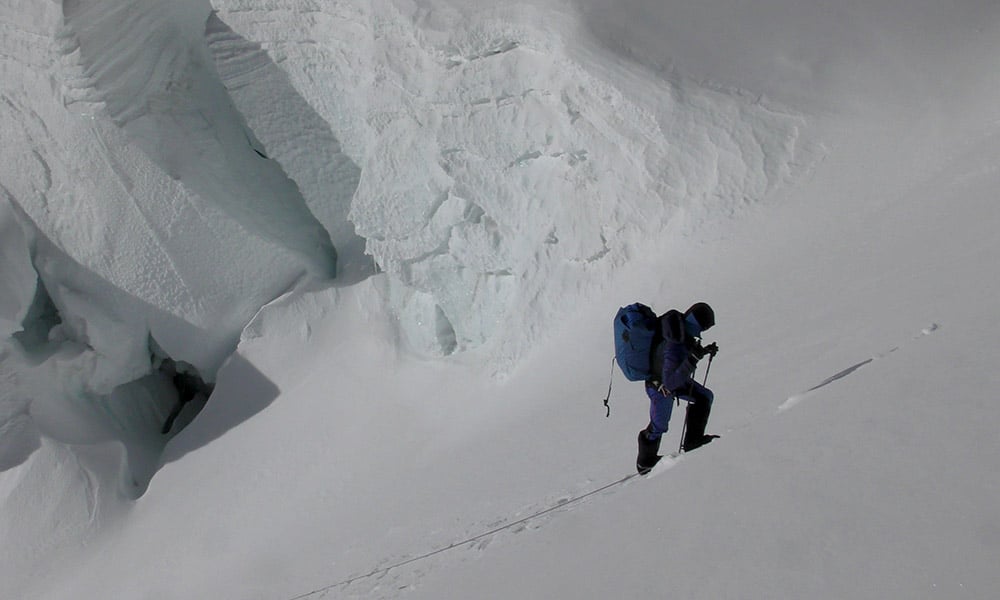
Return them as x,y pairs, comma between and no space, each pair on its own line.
148,412
192,391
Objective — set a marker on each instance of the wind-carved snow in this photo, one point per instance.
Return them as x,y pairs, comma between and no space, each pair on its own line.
147,215
156,80
15,264
287,130
497,170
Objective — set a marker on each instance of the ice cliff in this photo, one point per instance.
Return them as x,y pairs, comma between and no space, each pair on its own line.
171,167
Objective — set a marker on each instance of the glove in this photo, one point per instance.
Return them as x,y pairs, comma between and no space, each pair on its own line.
699,352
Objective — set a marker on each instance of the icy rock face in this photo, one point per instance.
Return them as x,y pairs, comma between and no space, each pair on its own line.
137,211
497,167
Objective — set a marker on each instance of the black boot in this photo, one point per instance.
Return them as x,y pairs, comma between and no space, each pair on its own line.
697,420
647,458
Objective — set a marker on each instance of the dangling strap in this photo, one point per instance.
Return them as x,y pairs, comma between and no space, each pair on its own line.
610,381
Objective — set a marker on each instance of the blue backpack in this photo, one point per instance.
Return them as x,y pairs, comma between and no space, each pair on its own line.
637,332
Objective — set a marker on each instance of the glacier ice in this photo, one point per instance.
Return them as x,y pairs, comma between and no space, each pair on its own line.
499,163
133,196
174,168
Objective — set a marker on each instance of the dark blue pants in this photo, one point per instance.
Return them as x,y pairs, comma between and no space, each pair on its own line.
661,406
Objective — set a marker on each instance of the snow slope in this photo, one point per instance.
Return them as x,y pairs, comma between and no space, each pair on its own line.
824,176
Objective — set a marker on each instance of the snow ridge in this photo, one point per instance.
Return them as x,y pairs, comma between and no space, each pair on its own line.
794,400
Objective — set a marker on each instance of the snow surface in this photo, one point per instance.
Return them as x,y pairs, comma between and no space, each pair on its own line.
393,234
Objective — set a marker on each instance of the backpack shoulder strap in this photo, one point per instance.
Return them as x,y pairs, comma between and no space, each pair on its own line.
672,326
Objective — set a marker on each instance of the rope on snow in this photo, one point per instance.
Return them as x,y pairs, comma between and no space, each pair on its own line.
475,538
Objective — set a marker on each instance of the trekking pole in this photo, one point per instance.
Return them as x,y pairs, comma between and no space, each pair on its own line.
711,357
708,368
680,447
684,428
